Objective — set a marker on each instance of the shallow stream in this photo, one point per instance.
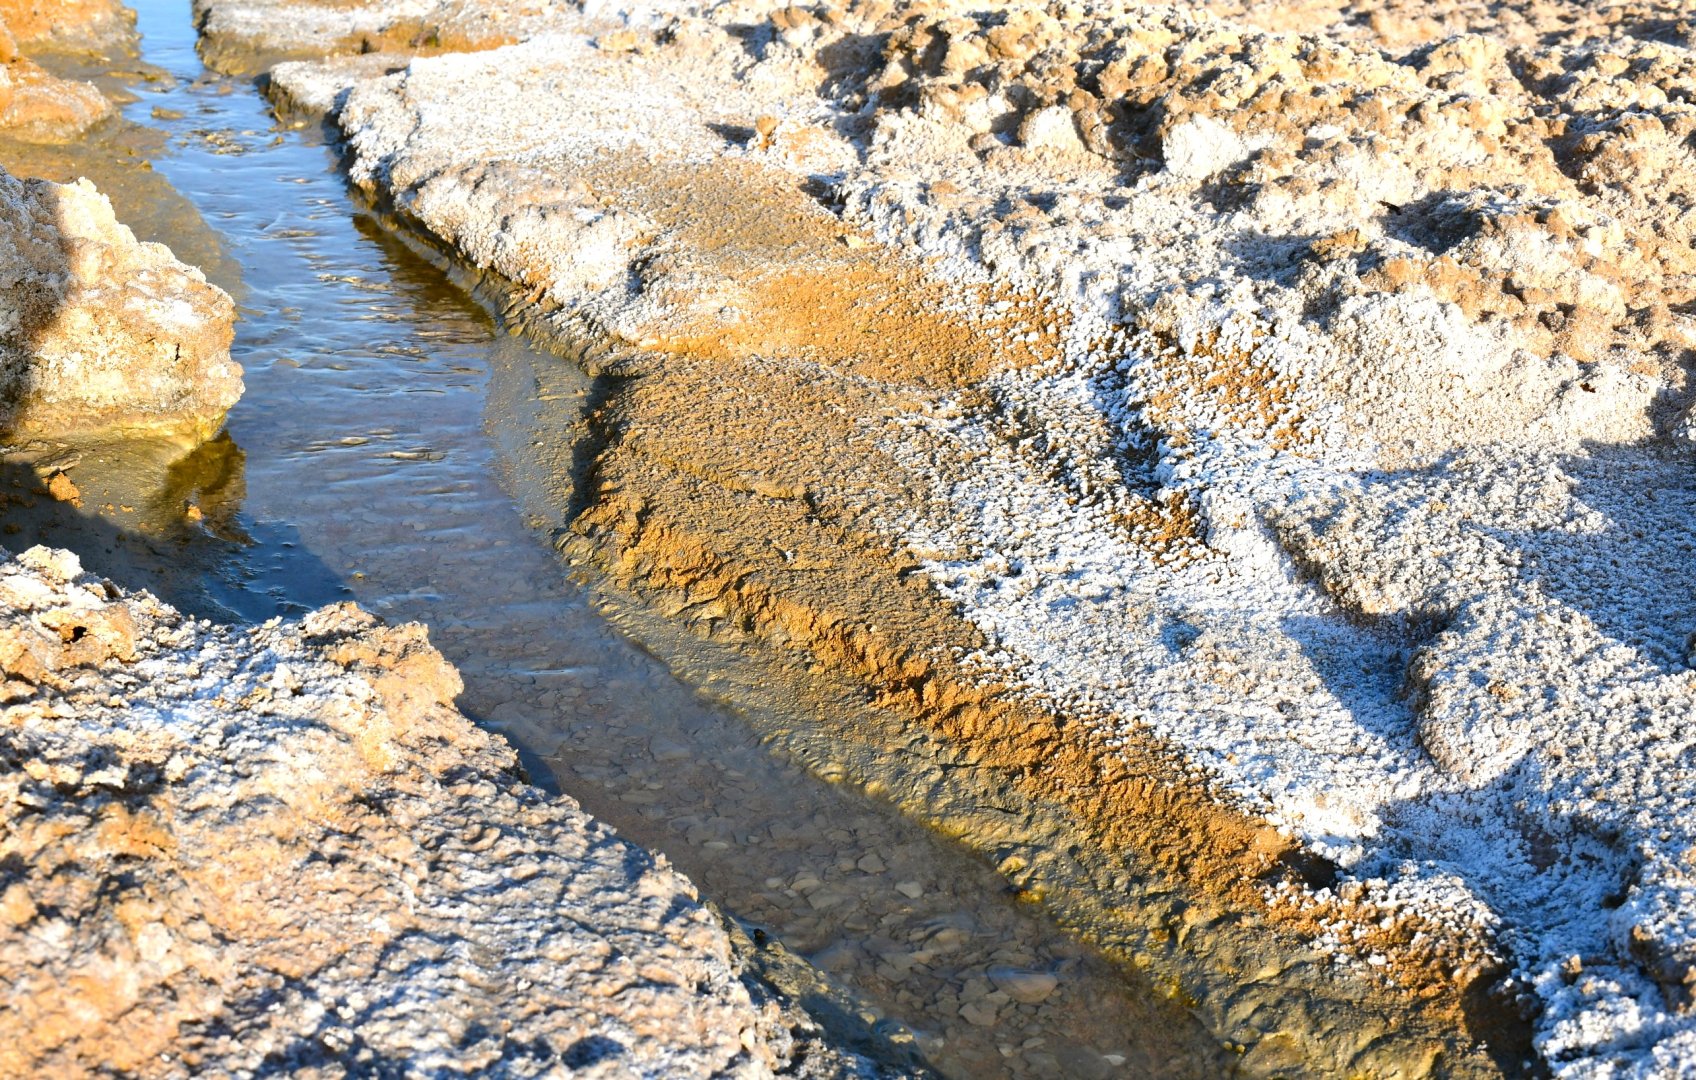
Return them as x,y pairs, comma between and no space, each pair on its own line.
362,464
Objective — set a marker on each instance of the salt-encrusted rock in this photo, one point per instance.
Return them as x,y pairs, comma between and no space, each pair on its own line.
318,87
100,334
38,107
68,24
238,35
281,849
1685,429
34,105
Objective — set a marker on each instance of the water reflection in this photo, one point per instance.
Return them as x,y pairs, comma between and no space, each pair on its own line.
204,489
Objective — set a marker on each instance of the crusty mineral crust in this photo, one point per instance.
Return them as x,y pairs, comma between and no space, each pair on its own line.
102,335
41,108
36,106
68,24
247,35
282,849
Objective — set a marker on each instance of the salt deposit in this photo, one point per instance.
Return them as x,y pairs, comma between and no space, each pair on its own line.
282,847
36,106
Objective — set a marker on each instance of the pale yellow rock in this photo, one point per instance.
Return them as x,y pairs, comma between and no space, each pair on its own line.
100,334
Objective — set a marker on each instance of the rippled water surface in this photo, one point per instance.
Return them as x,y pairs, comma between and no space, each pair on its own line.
358,466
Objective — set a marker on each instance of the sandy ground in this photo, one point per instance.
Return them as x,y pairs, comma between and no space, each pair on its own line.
1263,434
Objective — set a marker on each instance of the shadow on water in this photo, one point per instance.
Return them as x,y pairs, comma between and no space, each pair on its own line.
142,512
146,516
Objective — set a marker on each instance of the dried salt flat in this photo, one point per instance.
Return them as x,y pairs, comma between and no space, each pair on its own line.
1434,619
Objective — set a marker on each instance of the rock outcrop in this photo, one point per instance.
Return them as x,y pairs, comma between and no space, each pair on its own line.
281,849
36,106
102,335
93,25
246,34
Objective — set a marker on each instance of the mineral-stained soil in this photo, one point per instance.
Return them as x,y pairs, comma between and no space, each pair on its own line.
1262,430
103,336
282,849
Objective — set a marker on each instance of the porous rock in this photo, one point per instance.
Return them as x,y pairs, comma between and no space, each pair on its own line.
282,849
68,24
36,106
101,334
240,35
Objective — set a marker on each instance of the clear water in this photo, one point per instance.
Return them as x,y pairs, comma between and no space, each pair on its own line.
358,466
